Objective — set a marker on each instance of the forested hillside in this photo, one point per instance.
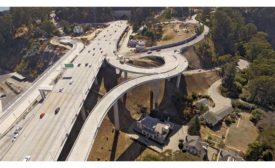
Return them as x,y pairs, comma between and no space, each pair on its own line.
20,30
247,33
23,31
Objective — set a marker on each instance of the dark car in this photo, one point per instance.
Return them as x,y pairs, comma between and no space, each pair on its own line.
86,64
56,110
41,115
78,65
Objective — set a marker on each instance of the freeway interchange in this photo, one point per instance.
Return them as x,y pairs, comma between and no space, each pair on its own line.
43,139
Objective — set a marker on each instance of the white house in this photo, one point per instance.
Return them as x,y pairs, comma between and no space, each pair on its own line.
153,128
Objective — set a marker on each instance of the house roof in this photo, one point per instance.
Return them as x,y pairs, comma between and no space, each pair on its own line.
194,141
18,76
214,118
154,125
203,101
229,156
223,112
211,118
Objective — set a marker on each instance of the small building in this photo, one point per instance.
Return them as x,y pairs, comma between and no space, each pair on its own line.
78,29
18,77
201,102
153,128
213,119
193,145
132,43
38,21
225,155
140,46
242,65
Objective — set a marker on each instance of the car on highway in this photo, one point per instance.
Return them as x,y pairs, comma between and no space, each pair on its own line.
86,64
158,50
14,137
17,130
56,110
61,89
27,158
2,95
71,82
78,65
41,115
149,52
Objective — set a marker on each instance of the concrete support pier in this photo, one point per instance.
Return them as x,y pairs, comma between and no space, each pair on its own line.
116,117
42,93
1,106
125,74
155,86
178,81
96,82
83,113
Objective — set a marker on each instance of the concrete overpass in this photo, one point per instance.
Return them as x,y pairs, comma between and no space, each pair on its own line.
174,66
44,138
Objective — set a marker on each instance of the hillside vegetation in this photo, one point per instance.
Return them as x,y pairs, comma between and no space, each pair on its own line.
246,33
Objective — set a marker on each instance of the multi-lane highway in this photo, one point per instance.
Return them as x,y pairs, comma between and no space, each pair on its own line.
26,99
174,65
43,139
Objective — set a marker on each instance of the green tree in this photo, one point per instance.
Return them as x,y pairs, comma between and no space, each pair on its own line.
49,28
228,82
262,90
257,115
256,45
203,50
194,126
226,26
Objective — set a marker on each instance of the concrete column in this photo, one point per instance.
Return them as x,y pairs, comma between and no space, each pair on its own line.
42,93
125,74
168,79
178,81
1,107
96,81
156,94
121,98
120,72
83,113
116,117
